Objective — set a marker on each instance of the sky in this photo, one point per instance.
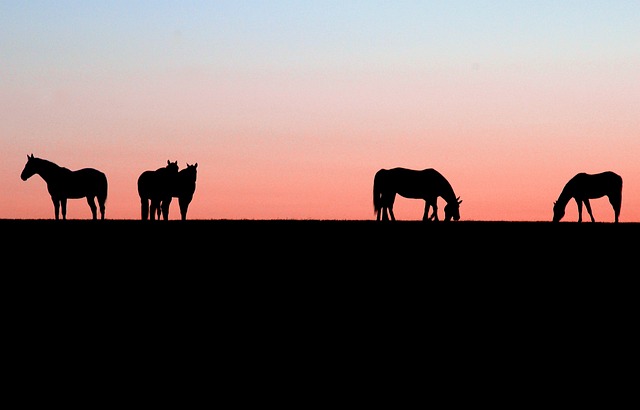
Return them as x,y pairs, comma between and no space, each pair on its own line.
289,108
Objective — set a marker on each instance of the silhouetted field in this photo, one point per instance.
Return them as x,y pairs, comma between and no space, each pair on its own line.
323,247
272,261
316,296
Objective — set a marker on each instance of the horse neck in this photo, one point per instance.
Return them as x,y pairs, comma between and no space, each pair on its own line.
447,193
186,175
565,196
48,170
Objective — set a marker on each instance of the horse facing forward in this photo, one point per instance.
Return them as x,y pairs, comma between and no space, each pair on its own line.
427,184
154,189
64,184
183,189
583,187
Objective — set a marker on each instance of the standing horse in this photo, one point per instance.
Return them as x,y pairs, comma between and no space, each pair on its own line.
154,187
427,184
583,187
64,184
183,189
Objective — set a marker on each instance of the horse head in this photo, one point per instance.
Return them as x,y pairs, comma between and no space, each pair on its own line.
558,212
452,210
29,168
172,166
192,167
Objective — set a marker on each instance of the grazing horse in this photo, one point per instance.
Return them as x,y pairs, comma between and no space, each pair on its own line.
154,188
64,184
183,189
583,187
427,184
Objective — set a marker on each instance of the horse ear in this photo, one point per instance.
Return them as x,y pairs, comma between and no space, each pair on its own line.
30,157
195,165
168,162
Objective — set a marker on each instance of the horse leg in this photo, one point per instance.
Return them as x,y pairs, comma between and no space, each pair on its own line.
427,206
184,202
154,209
101,202
579,203
92,205
387,213
616,203
144,209
63,208
587,204
434,215
56,207
164,208
387,200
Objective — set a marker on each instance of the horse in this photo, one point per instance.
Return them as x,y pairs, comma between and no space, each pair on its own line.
64,184
427,184
154,187
583,187
183,189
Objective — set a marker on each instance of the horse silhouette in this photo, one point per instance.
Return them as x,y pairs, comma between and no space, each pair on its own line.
427,184
183,189
64,184
154,189
583,187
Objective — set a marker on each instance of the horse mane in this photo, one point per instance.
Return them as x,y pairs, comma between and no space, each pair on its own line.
46,162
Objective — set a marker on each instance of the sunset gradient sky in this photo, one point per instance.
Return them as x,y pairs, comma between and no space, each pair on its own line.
290,107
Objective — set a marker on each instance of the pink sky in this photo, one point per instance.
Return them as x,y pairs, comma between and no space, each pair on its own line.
287,126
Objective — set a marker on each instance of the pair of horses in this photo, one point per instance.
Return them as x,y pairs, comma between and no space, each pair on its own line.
429,184
158,187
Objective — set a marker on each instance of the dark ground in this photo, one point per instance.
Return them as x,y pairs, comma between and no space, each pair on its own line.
482,312
327,256
311,244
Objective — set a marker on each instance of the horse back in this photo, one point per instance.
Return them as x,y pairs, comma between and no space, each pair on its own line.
155,184
595,185
418,184
85,182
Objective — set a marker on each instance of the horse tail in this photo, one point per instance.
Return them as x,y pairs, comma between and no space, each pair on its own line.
620,179
105,187
377,192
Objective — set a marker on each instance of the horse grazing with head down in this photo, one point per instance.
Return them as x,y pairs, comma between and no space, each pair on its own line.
154,188
183,189
427,184
64,184
583,187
